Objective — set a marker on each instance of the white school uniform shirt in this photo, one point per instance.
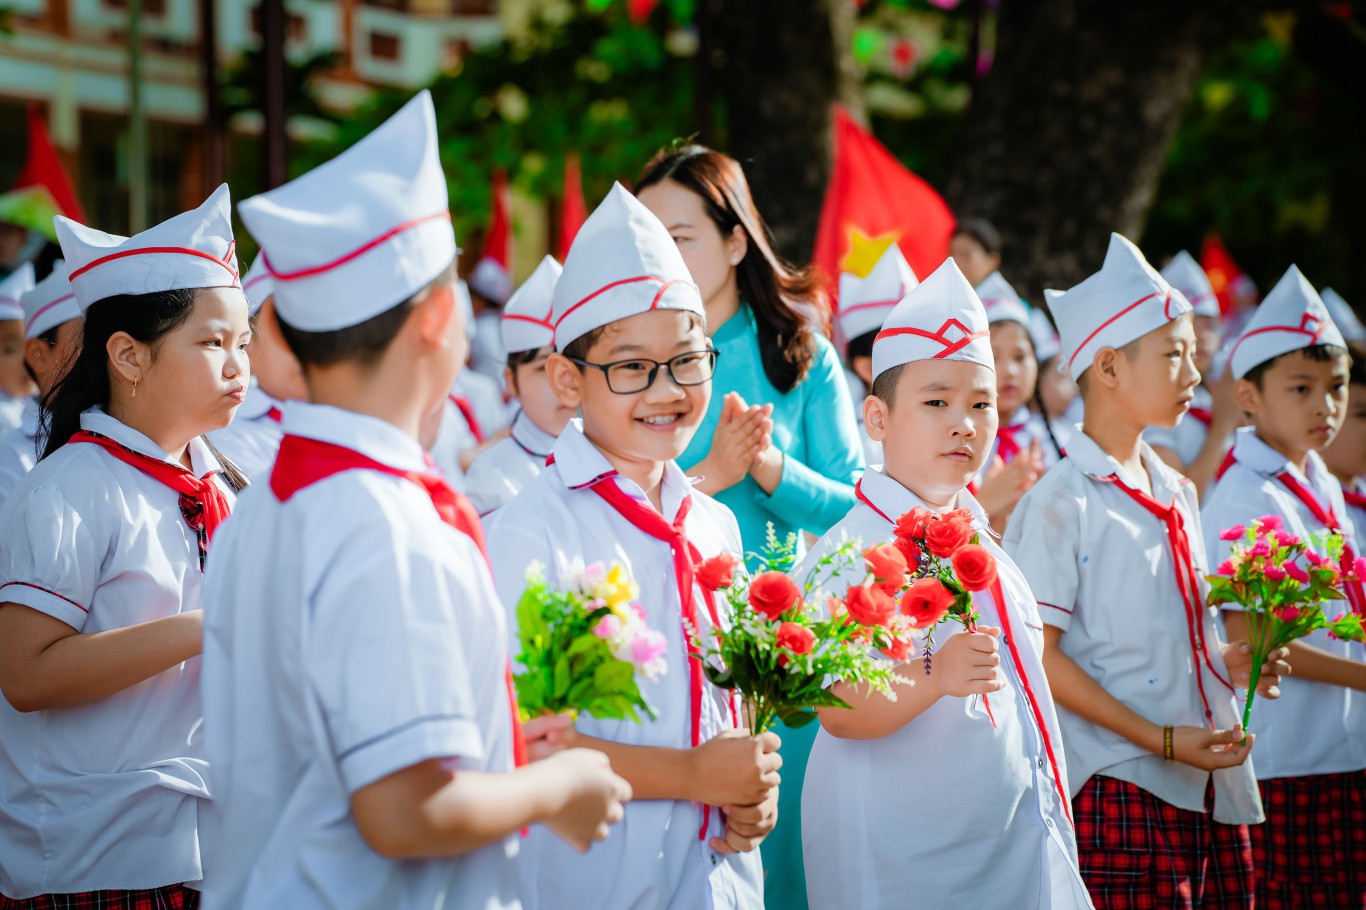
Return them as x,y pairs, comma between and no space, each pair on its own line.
1102,569
19,450
487,354
107,794
653,858
452,438
486,395
366,638
875,838
1313,728
11,412
1188,437
1358,513
501,471
253,437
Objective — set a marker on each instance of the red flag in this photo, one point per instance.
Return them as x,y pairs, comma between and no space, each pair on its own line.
873,201
1225,277
639,10
573,211
43,168
491,277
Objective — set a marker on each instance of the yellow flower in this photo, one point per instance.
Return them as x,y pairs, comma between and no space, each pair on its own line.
618,589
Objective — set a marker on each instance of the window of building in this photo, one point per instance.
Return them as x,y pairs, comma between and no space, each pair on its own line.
384,46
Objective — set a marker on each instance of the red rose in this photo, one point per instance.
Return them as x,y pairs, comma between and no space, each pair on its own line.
898,649
717,572
910,550
944,537
911,526
926,602
773,594
888,566
870,605
796,638
975,567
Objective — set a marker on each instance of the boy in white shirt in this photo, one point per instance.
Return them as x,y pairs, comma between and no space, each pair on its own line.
1345,456
1110,542
359,715
633,358
873,834
16,386
1291,366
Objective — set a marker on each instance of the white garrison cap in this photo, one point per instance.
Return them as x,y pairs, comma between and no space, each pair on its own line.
12,290
865,302
1122,302
357,236
258,285
940,319
526,321
1001,302
1346,319
1186,275
195,249
622,262
50,303
1289,318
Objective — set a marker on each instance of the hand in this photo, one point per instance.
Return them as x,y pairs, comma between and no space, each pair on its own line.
741,434
767,469
1210,750
736,769
1004,484
969,664
747,826
593,797
548,734
1238,660
1225,415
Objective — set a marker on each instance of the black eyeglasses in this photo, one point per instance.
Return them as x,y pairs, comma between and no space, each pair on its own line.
626,377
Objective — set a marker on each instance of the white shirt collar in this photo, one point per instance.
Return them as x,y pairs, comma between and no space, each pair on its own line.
894,500
374,438
1253,452
533,440
202,461
1091,459
580,464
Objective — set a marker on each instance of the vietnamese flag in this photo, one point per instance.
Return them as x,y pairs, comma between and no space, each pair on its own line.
573,211
873,201
43,169
1223,273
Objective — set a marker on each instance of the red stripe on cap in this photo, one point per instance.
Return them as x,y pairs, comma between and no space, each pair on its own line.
607,287
950,347
532,319
150,250
868,306
1140,301
34,318
1294,330
358,251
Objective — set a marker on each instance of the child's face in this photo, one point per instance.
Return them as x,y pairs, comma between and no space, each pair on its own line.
14,379
1207,340
1016,370
1157,380
1056,389
650,426
972,258
276,368
940,427
1300,405
1346,454
50,361
532,390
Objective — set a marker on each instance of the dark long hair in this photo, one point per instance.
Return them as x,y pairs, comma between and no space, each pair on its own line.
147,318
787,301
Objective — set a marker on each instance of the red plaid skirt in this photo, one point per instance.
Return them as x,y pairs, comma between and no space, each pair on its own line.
1311,853
1140,853
170,897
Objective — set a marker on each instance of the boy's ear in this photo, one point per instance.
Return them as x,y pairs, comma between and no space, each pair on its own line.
566,380
510,379
1248,397
875,412
434,314
37,352
1105,368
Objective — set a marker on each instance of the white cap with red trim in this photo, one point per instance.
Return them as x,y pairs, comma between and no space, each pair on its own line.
940,319
526,318
622,262
1122,302
1186,275
357,236
1001,302
194,249
1345,318
50,303
865,302
1291,317
12,290
258,285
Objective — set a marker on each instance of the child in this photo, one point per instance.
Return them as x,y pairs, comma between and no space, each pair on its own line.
634,359
103,544
356,703
1197,444
1345,456
863,304
976,248
1055,392
1291,366
52,335
1346,319
873,834
16,386
253,437
1109,541
497,474
473,414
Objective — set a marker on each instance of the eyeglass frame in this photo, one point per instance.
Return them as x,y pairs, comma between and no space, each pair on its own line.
654,371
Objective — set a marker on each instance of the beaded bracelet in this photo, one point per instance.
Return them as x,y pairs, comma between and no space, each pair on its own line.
1167,743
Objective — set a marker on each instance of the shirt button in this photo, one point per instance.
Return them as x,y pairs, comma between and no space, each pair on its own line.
1040,761
1048,822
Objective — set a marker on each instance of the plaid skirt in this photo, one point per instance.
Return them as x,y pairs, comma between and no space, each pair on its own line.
1311,853
168,897
1140,853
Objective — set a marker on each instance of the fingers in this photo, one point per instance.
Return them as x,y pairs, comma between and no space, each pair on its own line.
769,742
1224,737
721,846
550,727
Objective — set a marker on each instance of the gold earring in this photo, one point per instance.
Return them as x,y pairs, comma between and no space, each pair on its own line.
135,388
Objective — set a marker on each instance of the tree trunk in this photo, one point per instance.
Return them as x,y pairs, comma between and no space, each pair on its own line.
787,62
1067,135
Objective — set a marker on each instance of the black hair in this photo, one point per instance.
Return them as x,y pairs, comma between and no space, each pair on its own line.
1319,353
862,346
521,358
362,344
981,230
884,383
578,348
147,318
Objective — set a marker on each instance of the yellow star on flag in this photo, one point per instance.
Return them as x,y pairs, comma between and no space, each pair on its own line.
865,251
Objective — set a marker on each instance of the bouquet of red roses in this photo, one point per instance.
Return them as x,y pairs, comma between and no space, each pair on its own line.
1282,583
784,645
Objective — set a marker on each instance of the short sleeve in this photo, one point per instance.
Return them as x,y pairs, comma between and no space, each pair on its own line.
1043,537
389,657
50,556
